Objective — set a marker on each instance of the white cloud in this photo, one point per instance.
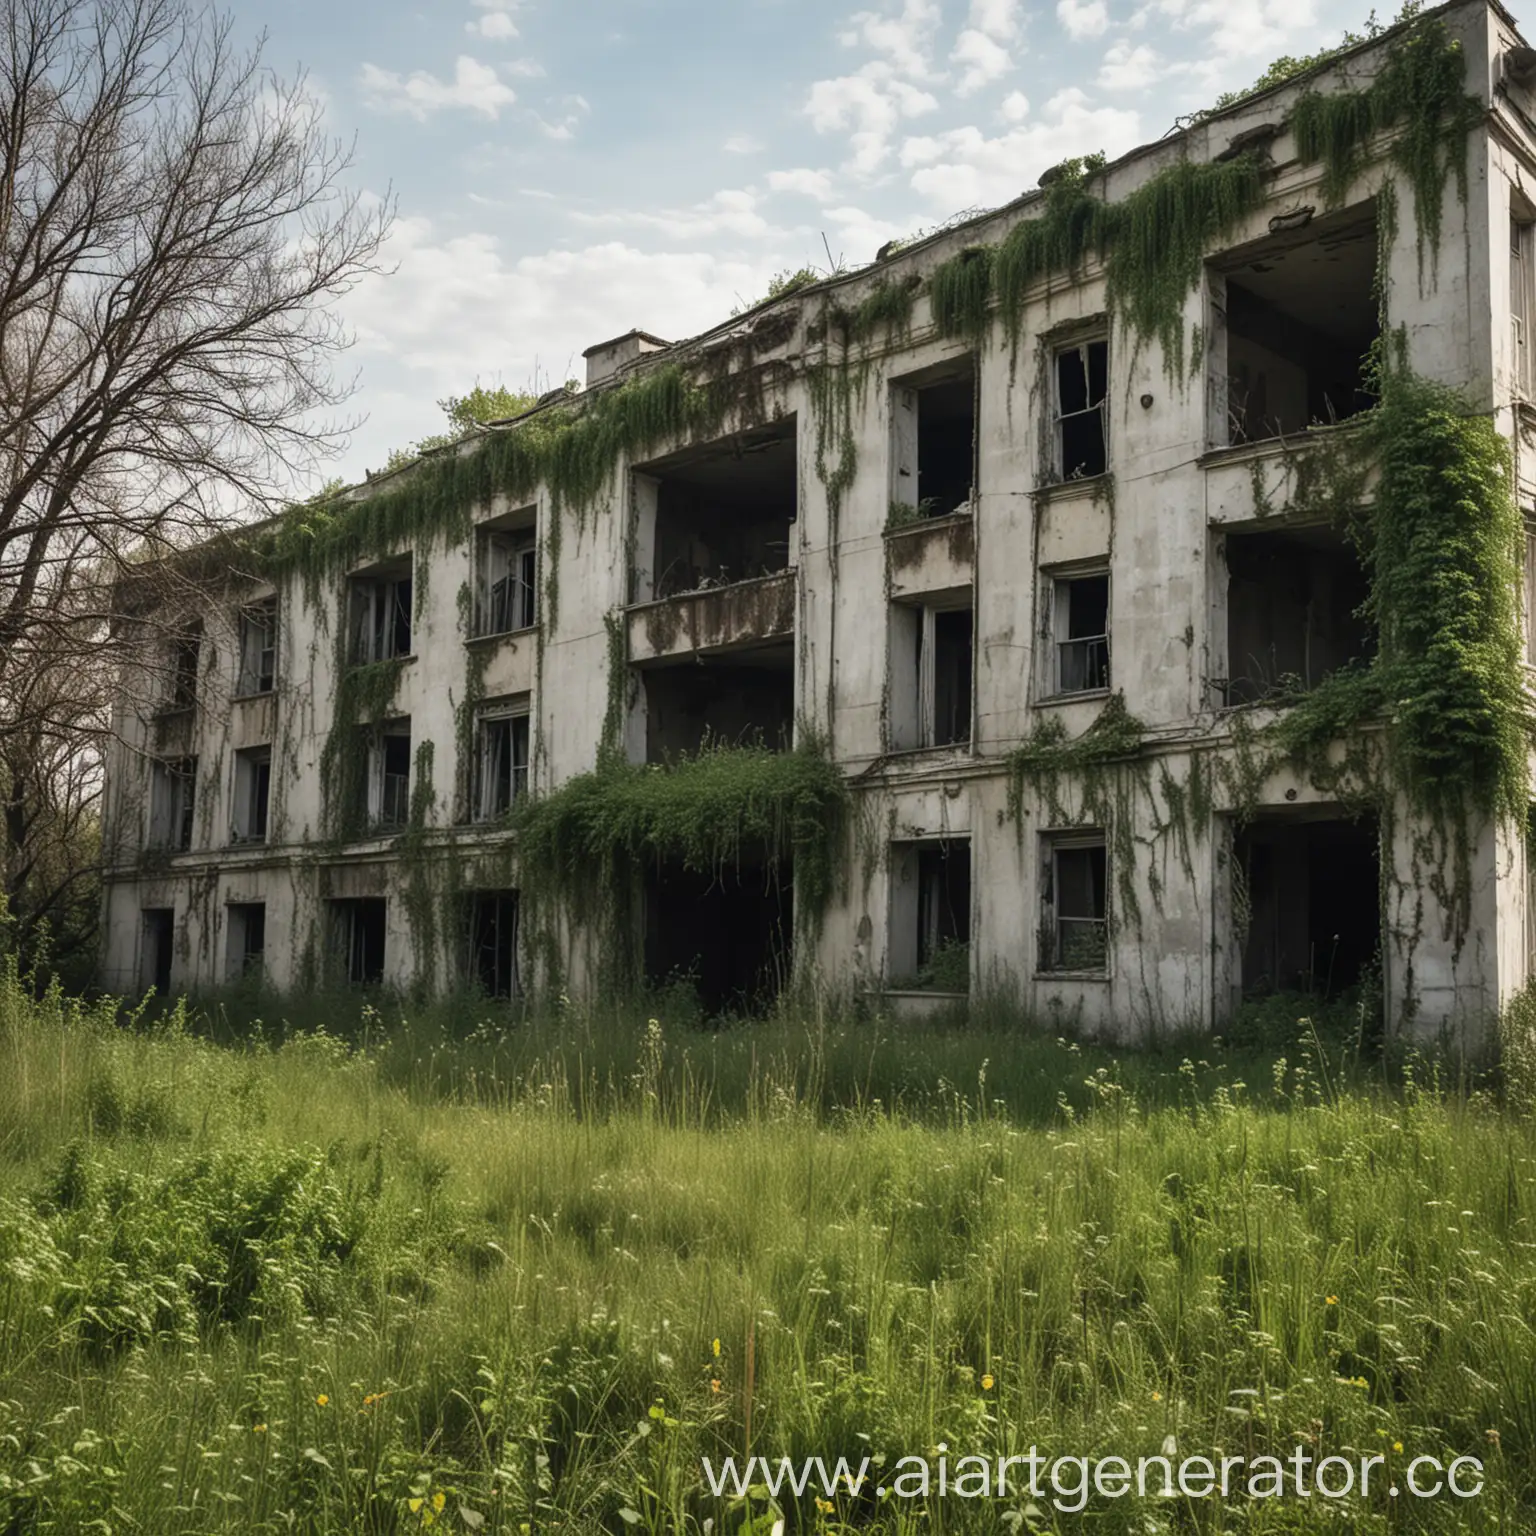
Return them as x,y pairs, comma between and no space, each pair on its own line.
904,39
806,182
743,144
1128,68
997,18
1015,107
1223,33
962,167
981,61
869,105
563,126
497,24
475,87
1083,18
462,307
732,211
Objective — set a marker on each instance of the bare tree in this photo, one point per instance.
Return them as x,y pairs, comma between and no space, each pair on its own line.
173,231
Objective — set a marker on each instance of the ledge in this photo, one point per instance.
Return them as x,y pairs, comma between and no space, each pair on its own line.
1102,976
486,641
735,616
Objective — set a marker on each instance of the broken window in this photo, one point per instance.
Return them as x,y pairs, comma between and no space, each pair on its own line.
509,576
744,697
1082,421
1080,613
158,940
357,935
1293,611
716,514
1530,597
186,649
253,793
1310,893
1075,936
493,918
258,648
1300,316
503,746
247,938
386,786
933,433
1521,231
172,803
931,677
381,613
930,916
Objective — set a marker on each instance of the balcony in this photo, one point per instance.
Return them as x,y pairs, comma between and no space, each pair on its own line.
931,555
714,620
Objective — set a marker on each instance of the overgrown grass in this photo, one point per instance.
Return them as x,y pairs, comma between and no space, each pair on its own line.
289,1283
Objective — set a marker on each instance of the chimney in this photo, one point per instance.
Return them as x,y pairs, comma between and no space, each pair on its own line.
608,357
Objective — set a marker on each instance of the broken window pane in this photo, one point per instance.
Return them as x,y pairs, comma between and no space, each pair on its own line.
1079,936
1082,385
1082,631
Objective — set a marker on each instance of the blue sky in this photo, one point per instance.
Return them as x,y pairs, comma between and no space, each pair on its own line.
568,169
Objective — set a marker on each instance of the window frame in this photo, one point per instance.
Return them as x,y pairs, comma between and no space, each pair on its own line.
173,804
252,819
1522,297
387,808
1050,959
258,661
487,779
1061,583
376,611
1060,416
514,552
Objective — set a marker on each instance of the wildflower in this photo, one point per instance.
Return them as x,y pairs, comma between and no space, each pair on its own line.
374,1397
258,1429
986,1382
1493,1437
322,1400
824,1505
1330,1301
1397,1445
438,1500
716,1347
714,1383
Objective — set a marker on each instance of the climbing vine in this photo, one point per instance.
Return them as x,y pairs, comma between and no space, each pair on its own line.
365,695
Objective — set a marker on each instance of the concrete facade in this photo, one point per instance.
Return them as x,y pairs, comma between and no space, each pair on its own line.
1034,526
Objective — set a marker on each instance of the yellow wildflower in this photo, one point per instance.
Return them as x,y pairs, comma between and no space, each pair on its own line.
258,1429
824,1505
986,1382
716,1347
438,1500
1157,1397
322,1399
1397,1445
1330,1301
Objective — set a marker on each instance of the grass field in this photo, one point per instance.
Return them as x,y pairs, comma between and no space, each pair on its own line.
411,1274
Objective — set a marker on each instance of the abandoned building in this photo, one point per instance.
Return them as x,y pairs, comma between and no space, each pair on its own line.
1034,534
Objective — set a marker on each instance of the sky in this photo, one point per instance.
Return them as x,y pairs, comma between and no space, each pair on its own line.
566,170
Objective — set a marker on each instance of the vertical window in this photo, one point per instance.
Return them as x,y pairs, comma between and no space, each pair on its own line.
493,917
157,948
504,737
247,938
388,784
1521,301
1530,596
258,648
381,615
1082,428
357,934
253,794
172,804
186,651
509,565
1075,934
929,940
931,677
1080,612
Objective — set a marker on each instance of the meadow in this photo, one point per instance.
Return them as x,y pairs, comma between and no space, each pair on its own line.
427,1269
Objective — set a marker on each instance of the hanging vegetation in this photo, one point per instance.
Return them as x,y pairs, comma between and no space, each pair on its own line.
961,293
1420,90
365,695
719,809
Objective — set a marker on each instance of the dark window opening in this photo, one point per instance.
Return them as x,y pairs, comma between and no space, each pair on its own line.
173,803
946,445
381,613
509,564
1293,611
952,636
726,933
358,925
247,937
1311,895
159,947
258,648
932,669
186,652
745,698
253,794
392,807
724,512
1081,613
493,918
1076,934
1082,425
1301,316
1522,298
503,763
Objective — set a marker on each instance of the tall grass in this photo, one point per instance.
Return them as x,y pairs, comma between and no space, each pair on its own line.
524,1280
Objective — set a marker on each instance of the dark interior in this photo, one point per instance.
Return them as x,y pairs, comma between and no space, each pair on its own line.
724,511
1301,316
493,942
1293,605
952,644
159,945
728,932
944,898
744,698
1314,903
359,937
946,444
